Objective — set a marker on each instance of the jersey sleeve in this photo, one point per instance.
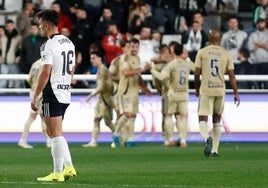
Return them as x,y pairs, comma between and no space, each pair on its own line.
198,60
114,65
47,56
191,66
161,75
230,65
102,76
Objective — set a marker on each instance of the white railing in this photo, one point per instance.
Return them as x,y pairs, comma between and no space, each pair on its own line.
145,77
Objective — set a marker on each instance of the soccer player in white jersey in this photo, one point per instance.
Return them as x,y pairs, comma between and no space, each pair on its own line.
212,62
58,62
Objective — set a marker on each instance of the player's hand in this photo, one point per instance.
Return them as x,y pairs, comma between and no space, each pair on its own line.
197,92
34,104
147,91
237,100
148,66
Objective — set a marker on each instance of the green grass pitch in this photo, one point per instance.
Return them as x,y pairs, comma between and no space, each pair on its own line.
149,165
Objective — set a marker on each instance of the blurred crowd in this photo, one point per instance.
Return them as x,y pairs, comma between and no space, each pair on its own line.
105,26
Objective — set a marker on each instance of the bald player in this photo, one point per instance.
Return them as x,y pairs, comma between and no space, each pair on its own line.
212,62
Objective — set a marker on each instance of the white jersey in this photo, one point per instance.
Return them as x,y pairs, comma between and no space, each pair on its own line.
59,52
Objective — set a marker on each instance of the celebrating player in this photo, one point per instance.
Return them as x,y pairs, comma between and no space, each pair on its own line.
104,91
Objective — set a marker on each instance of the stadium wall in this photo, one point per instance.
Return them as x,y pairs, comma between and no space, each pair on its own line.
248,122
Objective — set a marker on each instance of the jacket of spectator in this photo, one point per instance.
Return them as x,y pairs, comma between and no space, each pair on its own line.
10,47
30,50
111,42
258,54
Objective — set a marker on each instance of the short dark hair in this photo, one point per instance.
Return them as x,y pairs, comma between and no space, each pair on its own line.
233,17
244,52
178,49
124,43
135,41
8,21
49,15
172,43
55,2
33,23
260,20
162,47
97,53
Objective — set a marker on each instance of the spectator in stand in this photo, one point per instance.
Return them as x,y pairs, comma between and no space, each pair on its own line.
120,13
243,68
44,4
164,15
198,17
65,22
196,38
101,27
111,42
234,38
148,46
94,8
2,35
258,45
180,24
220,5
81,35
30,48
187,9
24,18
10,45
133,9
144,18
261,11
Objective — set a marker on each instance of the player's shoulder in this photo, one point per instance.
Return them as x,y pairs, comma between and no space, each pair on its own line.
58,39
118,58
103,67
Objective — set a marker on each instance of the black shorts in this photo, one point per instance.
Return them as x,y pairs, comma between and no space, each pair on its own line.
53,109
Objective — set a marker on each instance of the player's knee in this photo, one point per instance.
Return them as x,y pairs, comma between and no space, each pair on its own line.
216,118
97,120
203,118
